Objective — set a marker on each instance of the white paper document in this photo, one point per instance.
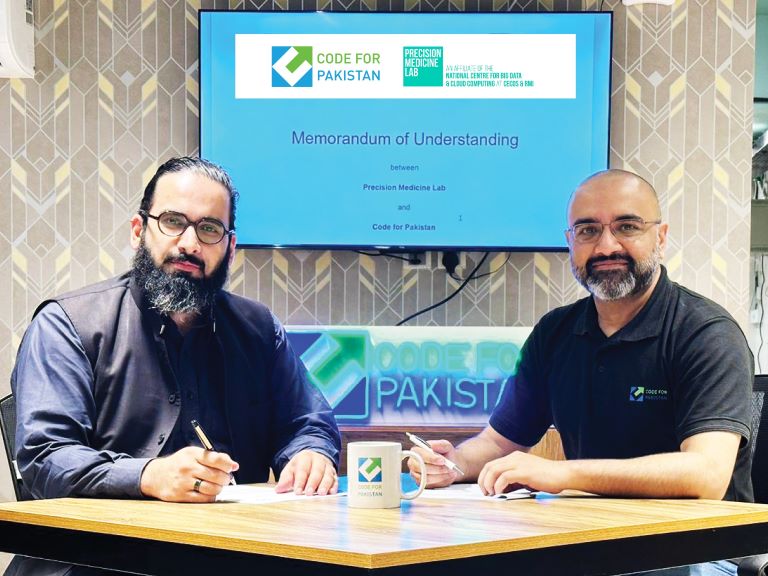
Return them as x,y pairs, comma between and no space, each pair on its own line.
472,492
260,494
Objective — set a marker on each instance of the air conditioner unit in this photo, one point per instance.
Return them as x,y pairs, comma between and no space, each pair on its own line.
17,39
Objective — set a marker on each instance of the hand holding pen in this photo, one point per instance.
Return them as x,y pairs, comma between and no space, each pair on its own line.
423,444
208,446
192,474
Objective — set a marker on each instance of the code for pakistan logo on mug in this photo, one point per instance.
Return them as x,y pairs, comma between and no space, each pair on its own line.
369,469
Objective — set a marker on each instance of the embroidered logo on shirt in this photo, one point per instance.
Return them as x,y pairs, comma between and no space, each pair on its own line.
643,394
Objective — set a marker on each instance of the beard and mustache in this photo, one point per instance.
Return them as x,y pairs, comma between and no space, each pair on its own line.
611,285
178,292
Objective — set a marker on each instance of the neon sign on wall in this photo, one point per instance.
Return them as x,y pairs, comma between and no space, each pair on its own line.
410,375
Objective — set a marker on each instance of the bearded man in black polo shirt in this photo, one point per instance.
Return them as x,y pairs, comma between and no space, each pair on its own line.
647,382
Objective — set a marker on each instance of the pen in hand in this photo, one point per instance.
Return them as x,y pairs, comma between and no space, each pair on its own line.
421,443
207,443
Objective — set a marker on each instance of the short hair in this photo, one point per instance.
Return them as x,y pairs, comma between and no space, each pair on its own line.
616,172
200,166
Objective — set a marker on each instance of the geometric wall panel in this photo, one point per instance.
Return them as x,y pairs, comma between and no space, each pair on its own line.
116,93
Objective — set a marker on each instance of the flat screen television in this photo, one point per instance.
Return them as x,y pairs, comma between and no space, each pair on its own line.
405,130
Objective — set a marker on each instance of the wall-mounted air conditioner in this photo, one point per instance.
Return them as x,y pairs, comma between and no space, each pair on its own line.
17,39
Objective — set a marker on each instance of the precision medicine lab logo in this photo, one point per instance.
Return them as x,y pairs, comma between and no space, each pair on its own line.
422,66
369,469
291,66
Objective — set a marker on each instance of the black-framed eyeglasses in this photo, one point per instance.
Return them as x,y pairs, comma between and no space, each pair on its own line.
622,229
208,230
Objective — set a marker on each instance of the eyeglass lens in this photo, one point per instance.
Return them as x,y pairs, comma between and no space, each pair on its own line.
209,231
622,229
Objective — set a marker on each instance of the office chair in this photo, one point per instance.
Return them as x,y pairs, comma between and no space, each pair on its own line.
758,565
8,429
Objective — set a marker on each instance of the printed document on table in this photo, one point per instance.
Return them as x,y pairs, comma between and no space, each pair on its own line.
260,494
472,492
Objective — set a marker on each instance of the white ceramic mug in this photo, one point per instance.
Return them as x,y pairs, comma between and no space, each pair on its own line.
373,473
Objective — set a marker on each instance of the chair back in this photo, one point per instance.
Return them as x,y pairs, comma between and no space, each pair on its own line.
8,429
760,438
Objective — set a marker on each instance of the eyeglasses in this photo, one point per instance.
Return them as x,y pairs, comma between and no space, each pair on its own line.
622,229
208,230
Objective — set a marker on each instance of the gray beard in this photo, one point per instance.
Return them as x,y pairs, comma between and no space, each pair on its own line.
177,292
612,285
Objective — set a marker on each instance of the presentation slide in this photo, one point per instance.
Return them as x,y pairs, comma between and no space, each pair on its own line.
405,130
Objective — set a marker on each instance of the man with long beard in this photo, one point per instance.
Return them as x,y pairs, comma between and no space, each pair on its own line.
109,378
648,383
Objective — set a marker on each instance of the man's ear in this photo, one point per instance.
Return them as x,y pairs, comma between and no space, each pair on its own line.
663,229
232,244
568,239
137,226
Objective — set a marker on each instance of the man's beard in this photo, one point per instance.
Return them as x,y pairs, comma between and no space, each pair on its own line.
611,285
177,292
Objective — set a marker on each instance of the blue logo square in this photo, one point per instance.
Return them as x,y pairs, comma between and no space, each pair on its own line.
337,365
291,66
369,469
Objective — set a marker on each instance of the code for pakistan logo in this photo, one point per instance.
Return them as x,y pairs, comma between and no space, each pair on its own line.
645,394
291,66
337,366
369,469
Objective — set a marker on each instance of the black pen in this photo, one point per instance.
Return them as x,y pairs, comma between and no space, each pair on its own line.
207,443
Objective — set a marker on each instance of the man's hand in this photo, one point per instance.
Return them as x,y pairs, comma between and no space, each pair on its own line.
438,474
174,477
308,473
522,470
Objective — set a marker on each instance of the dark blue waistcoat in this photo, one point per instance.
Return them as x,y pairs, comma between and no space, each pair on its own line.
133,379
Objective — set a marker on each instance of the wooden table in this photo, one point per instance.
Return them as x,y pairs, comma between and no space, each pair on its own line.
546,536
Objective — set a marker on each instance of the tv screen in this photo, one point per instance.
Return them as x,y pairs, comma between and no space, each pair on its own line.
405,130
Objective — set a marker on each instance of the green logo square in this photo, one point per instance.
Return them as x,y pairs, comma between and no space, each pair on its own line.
422,66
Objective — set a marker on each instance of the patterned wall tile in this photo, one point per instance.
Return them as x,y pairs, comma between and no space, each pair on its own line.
116,93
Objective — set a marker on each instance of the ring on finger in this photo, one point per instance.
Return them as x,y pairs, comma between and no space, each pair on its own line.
196,487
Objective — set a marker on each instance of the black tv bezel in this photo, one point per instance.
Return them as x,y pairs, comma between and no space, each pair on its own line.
401,249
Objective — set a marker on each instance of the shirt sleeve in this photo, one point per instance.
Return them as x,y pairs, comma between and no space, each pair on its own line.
713,372
52,383
305,420
523,414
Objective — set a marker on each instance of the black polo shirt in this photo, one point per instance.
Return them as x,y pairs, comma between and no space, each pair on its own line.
682,366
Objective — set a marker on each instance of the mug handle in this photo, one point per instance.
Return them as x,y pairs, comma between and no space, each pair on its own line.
414,493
